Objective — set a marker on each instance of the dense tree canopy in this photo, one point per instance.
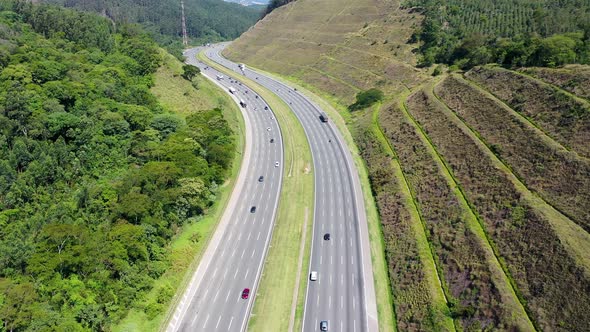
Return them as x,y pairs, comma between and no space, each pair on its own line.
509,32
95,177
206,20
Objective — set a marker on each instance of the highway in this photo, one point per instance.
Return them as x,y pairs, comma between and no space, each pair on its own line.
235,255
344,293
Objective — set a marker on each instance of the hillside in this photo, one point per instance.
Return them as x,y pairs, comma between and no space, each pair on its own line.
100,195
206,20
481,177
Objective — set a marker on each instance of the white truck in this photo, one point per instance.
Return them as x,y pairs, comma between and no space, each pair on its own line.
242,103
232,90
219,77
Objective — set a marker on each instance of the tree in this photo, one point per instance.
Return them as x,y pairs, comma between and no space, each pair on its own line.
366,98
189,72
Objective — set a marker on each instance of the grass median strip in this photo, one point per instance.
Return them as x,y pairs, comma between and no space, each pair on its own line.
340,116
272,309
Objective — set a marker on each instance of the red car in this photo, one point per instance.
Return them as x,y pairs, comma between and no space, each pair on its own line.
245,293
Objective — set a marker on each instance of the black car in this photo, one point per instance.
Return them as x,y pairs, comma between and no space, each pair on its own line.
272,140
266,107
327,236
253,209
261,179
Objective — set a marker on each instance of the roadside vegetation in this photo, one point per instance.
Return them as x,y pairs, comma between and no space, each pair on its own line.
476,288
573,78
520,234
562,178
98,176
418,299
558,114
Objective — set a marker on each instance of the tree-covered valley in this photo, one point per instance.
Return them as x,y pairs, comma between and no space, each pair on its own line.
96,176
206,20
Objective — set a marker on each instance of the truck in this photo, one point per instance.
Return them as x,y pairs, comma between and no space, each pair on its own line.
323,117
242,66
232,90
242,103
219,77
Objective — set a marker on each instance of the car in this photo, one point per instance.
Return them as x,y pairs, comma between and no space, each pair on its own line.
313,276
253,209
268,128
272,140
324,325
246,293
256,96
277,164
327,236
272,118
261,179
266,107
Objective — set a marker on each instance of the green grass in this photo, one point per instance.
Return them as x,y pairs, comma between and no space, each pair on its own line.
272,308
184,254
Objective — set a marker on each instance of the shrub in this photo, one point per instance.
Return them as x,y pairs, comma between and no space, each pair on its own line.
367,98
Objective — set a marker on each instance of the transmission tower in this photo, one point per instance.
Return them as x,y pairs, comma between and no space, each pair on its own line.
184,34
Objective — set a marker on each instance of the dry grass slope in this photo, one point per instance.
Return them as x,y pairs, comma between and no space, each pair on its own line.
339,46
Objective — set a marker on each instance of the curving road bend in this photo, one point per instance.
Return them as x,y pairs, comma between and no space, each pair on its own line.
235,256
344,293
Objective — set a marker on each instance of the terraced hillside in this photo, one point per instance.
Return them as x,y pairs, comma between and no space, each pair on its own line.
482,179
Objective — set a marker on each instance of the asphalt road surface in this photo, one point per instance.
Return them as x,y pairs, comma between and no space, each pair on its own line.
344,294
234,258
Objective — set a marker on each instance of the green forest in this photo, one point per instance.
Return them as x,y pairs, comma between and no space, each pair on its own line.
95,176
206,20
512,33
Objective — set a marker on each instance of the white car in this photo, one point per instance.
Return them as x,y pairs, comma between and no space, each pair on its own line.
313,276
277,164
268,129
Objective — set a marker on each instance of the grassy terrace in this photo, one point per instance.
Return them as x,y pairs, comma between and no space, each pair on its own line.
274,301
453,229
533,241
179,96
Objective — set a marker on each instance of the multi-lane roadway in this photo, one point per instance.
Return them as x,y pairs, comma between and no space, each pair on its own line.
343,295
233,261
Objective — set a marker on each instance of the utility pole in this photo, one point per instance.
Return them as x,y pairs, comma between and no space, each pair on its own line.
184,34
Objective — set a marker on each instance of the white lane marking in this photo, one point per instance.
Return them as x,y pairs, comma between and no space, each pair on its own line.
341,259
243,252
206,319
258,237
354,325
230,321
320,260
351,260
249,236
341,326
235,274
233,253
318,302
214,273
218,320
341,303
253,253
240,237
214,298
353,302
227,296
352,277
225,273
193,321
330,279
331,261
329,301
246,276
342,279
206,292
